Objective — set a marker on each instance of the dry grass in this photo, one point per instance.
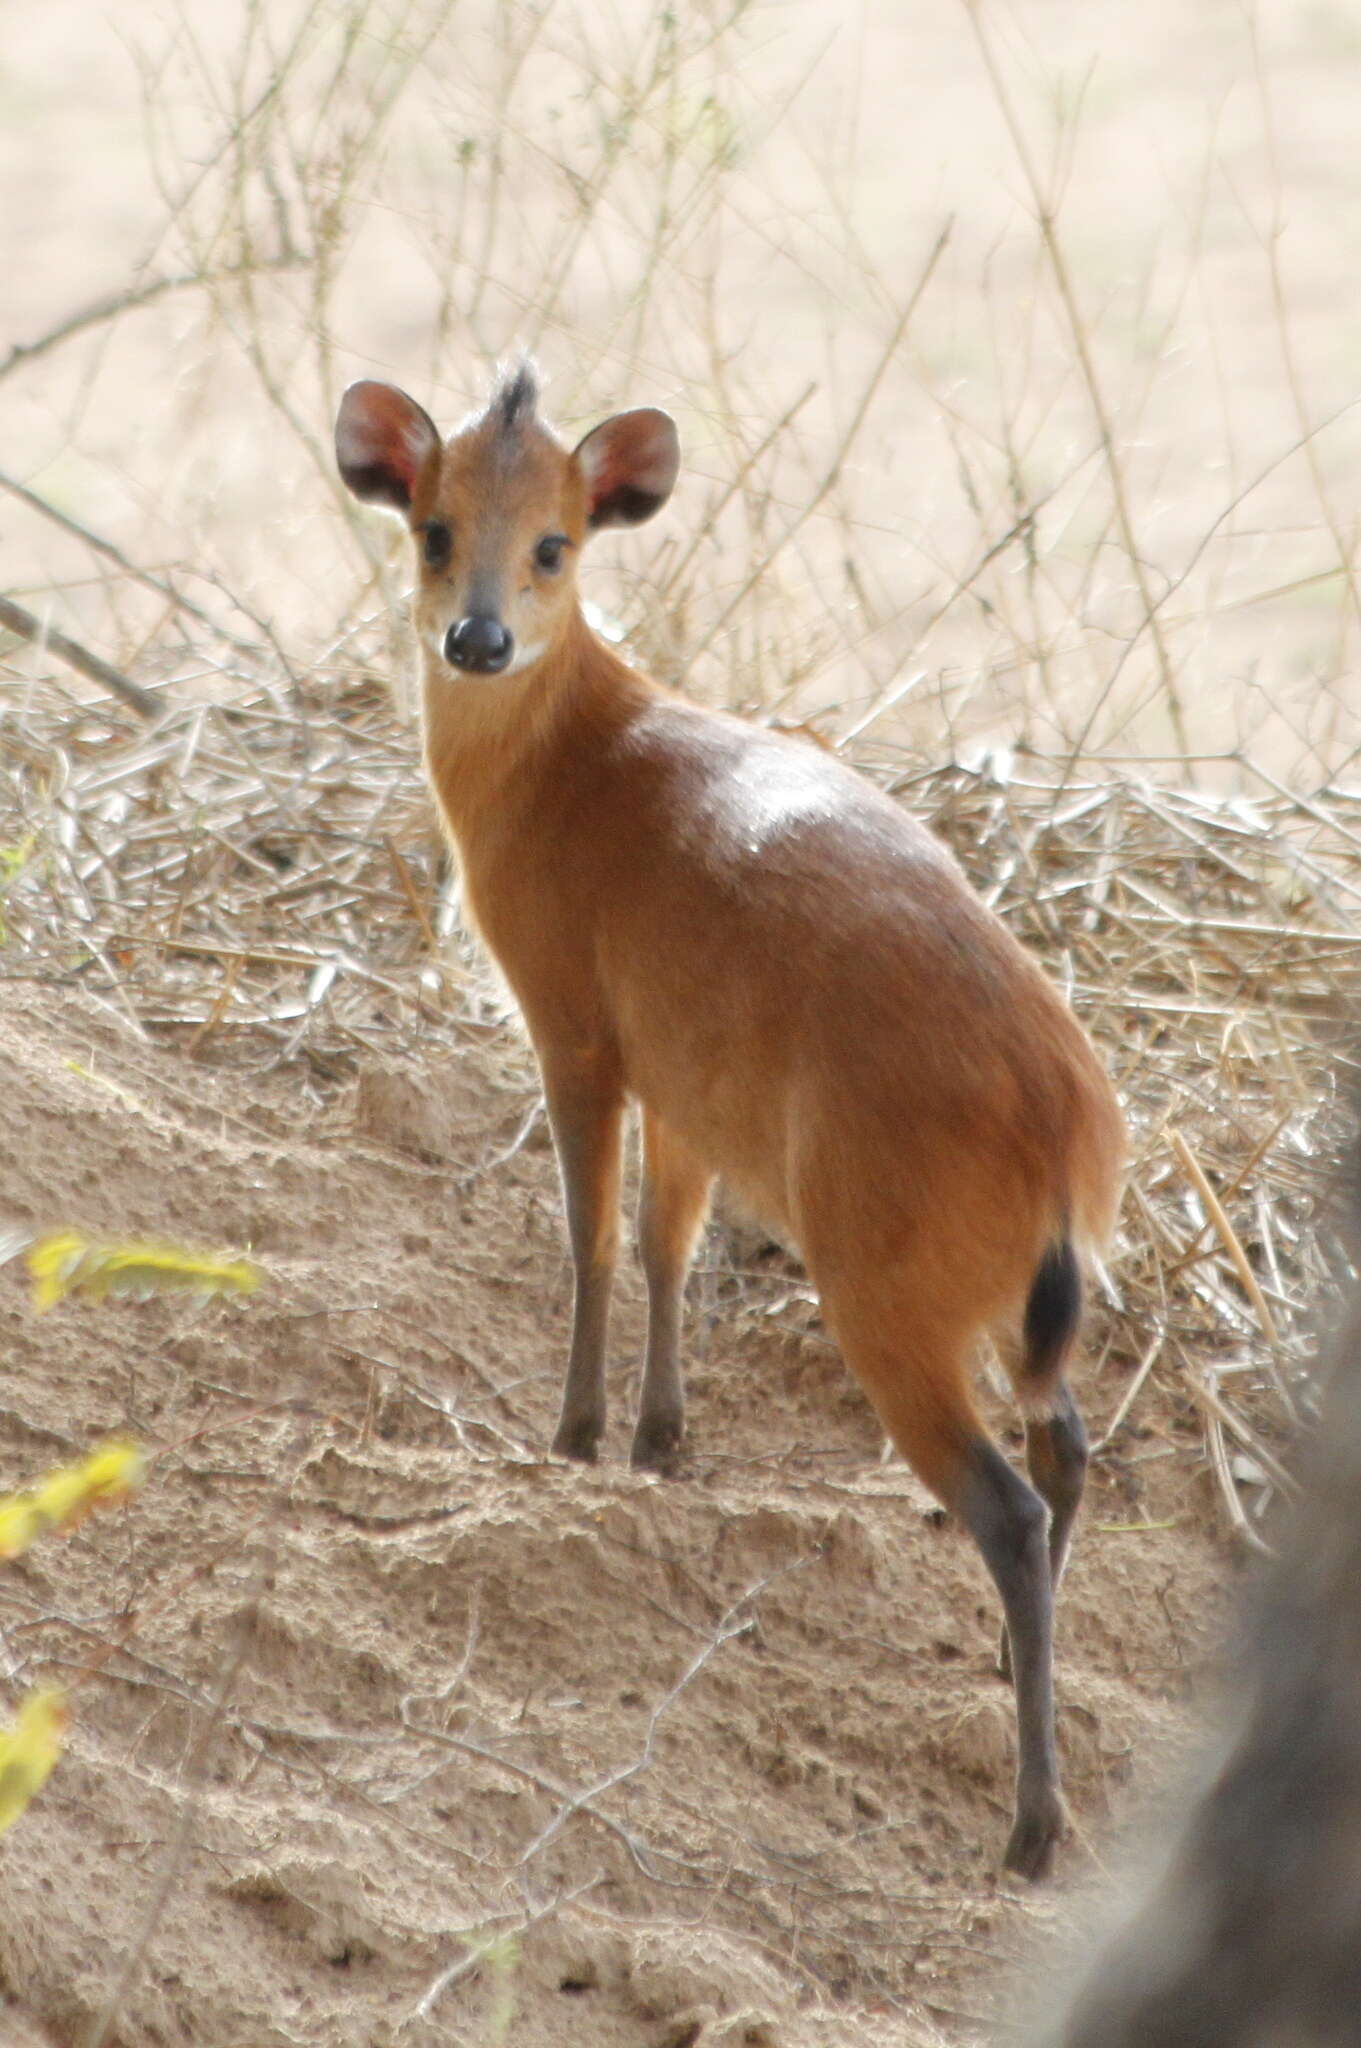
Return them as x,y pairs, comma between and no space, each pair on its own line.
1076,473
260,877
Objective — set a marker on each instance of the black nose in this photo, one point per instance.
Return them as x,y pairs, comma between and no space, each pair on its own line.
478,643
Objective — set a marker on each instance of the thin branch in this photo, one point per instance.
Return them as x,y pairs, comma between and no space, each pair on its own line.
92,666
162,588
478,1950
1228,1236
834,469
581,1802
113,303
1346,553
196,1777
1048,224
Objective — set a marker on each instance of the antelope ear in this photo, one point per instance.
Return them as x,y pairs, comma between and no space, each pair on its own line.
383,442
629,464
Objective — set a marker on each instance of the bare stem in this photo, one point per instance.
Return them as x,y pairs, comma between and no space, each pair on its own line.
1046,214
92,666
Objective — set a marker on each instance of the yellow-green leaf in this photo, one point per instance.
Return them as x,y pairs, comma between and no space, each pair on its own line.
29,1750
68,1262
20,1523
68,1494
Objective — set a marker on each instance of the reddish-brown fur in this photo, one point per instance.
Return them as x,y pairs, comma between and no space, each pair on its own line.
785,970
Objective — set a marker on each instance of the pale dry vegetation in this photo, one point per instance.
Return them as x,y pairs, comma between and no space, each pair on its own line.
1015,389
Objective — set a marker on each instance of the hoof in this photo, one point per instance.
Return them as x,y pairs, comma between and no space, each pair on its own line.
577,1440
1034,1839
656,1445
1004,1658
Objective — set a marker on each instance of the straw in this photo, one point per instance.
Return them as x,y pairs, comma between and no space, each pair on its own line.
257,885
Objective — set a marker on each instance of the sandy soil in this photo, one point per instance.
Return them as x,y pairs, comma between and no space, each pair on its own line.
731,1744
512,1752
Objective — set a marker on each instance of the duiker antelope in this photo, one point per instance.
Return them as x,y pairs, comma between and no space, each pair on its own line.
788,974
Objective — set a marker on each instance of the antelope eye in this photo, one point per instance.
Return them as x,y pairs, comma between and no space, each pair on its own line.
548,552
436,544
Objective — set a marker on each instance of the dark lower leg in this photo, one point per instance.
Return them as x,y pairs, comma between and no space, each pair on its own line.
581,1423
671,1209
1007,1519
586,1130
1056,1458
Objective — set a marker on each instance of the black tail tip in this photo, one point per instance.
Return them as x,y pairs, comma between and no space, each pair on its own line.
1053,1310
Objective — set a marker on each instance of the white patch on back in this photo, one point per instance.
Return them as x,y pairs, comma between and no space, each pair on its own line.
766,793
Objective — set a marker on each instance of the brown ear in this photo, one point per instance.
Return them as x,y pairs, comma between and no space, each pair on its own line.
629,464
383,442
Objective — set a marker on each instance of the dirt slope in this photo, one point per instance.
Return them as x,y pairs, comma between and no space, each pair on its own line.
730,1744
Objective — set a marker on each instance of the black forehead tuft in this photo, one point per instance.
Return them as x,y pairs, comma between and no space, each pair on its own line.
515,397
